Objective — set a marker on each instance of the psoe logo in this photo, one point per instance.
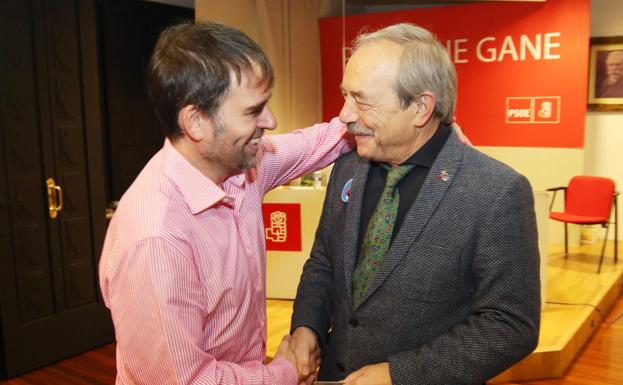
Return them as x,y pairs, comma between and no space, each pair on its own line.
278,230
533,109
282,226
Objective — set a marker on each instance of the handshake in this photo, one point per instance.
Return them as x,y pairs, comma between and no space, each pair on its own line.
301,349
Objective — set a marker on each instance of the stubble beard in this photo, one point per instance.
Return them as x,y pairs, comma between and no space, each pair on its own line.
248,161
245,160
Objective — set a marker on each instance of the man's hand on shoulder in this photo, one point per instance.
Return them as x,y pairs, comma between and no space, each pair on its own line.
460,134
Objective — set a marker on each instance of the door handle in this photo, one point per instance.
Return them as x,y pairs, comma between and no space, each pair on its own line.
55,198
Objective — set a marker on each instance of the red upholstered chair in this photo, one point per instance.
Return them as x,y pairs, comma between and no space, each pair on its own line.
589,200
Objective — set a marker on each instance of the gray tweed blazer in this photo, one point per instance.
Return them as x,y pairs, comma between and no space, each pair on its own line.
456,300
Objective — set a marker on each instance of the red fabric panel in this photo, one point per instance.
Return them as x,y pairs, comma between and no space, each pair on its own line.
507,96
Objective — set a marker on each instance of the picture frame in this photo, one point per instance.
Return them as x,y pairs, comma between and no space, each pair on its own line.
605,84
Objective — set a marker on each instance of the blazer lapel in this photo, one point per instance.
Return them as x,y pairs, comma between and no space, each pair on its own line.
352,223
430,196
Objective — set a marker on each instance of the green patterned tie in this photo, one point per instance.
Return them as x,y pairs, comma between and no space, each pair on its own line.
379,233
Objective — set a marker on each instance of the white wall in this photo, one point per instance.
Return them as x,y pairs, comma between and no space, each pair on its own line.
602,154
603,145
544,168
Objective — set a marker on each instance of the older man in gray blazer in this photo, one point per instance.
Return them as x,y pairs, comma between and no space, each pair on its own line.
435,281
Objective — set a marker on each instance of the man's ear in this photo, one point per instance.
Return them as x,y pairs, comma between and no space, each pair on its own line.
424,106
192,122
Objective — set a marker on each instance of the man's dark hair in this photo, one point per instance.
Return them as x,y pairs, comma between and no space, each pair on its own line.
192,63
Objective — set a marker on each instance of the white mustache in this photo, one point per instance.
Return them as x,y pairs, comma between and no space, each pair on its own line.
356,129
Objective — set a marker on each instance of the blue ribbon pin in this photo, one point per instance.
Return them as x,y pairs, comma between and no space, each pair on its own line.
346,190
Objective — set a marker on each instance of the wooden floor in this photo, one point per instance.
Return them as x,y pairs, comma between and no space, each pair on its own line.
600,362
96,367
577,299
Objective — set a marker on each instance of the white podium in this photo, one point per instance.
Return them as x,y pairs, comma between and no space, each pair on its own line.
284,268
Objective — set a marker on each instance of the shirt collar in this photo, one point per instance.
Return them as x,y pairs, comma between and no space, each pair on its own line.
427,154
199,191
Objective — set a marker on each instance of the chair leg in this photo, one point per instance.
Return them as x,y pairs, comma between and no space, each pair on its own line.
603,248
616,233
566,243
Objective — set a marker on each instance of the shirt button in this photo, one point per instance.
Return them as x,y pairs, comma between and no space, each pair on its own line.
353,322
340,367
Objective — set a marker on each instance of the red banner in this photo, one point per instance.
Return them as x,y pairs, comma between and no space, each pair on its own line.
282,226
522,67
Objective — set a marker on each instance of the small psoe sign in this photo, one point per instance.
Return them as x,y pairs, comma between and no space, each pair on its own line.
533,109
282,226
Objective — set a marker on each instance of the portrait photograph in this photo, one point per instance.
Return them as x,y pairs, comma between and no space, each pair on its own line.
605,86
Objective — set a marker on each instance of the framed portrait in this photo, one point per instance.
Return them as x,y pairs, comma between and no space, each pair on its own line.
605,81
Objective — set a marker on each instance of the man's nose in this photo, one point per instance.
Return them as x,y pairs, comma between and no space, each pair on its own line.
349,113
267,119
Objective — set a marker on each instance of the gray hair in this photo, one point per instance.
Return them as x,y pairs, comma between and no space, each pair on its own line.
424,66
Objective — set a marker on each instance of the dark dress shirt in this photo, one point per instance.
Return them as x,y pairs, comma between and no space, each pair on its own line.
409,187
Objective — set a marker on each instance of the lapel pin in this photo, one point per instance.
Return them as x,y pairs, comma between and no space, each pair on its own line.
346,190
443,176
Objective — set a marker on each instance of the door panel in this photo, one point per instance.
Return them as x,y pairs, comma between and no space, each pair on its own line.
30,262
78,281
50,303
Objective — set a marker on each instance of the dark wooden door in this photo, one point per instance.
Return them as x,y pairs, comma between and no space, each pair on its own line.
50,123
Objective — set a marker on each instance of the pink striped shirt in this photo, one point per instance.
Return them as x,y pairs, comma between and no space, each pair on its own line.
183,265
